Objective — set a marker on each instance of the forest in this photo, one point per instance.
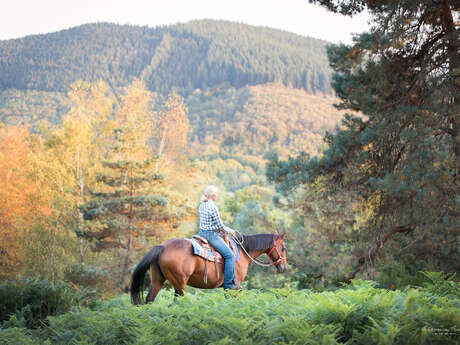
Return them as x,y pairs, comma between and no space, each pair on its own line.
198,54
110,133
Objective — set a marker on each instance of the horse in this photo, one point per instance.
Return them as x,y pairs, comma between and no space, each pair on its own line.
174,260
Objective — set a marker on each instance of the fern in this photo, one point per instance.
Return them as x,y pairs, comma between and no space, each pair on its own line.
356,314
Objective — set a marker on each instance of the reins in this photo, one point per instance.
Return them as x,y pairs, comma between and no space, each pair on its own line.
255,260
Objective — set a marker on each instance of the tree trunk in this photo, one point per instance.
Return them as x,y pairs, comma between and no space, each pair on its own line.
81,191
124,270
129,244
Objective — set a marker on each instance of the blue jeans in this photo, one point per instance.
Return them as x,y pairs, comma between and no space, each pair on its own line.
219,244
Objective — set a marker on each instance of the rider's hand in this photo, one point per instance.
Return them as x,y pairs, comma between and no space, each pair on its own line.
231,231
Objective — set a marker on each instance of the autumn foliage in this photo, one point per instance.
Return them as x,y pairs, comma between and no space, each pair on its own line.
47,177
21,199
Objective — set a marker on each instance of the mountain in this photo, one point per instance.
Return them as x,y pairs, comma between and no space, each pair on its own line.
248,89
198,54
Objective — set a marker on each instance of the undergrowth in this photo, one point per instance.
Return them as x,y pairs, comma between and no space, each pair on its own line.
356,314
27,302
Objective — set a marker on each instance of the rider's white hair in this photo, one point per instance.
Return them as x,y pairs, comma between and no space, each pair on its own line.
209,191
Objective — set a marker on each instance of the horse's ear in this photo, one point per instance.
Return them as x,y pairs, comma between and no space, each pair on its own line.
279,237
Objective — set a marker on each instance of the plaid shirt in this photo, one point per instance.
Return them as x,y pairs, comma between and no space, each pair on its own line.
209,217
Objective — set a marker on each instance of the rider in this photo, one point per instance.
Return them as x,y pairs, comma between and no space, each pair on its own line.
211,227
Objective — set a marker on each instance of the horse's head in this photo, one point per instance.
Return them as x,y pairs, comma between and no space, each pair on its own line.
277,253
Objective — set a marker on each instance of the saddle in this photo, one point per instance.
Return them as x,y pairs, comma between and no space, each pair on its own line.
203,248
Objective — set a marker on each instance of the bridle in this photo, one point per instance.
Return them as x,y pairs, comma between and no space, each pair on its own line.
280,257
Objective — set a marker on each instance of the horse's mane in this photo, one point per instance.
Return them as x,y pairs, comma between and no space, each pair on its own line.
257,242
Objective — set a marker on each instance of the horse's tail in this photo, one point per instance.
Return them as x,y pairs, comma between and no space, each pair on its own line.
137,280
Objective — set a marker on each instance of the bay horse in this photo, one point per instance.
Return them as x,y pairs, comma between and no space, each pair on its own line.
174,260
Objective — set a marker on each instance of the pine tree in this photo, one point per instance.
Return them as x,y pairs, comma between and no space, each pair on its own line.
402,157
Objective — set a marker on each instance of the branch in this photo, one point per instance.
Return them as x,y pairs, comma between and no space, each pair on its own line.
373,251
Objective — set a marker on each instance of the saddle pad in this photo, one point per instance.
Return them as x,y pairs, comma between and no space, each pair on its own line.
199,238
209,253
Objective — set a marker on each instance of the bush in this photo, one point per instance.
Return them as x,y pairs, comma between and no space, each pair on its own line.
32,300
93,327
359,313
16,336
397,275
87,276
442,284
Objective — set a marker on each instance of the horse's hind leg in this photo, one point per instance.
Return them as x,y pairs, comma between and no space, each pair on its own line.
157,281
153,292
178,292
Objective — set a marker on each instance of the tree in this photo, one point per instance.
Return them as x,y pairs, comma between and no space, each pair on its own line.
402,158
21,197
78,146
122,209
172,129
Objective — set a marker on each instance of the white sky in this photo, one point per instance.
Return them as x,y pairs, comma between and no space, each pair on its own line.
19,18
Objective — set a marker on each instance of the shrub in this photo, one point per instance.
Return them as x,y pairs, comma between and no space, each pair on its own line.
32,300
359,313
442,284
356,314
17,336
87,276
93,327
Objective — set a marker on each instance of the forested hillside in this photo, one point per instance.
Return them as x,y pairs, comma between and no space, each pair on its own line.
18,107
199,54
251,120
248,89
257,119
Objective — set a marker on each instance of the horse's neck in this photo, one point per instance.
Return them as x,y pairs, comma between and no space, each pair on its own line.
253,254
260,241
245,260
256,253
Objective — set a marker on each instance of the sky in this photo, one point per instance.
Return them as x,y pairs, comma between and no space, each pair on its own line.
19,18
